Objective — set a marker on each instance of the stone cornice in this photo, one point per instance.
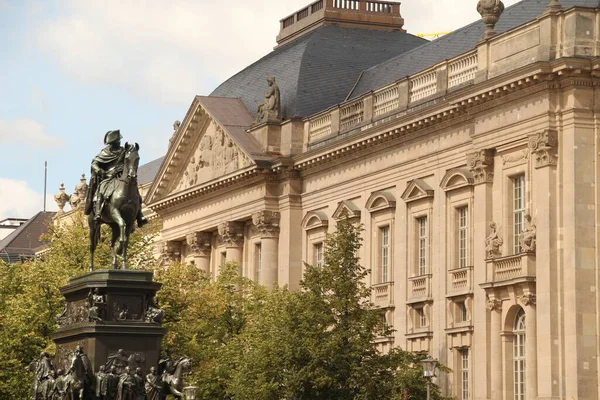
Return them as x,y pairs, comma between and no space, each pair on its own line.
468,101
405,126
209,187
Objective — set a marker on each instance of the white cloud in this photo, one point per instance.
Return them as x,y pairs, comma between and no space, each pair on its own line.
27,132
18,200
171,51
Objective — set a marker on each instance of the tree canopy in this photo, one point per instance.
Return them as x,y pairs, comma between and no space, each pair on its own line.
246,342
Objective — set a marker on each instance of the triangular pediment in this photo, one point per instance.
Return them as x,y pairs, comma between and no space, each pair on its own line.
345,209
210,143
417,189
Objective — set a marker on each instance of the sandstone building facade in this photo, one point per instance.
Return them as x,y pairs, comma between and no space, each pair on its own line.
471,163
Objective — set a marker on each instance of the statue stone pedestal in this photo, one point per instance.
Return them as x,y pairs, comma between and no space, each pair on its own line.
107,311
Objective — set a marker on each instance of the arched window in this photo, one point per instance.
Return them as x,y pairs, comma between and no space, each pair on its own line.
519,355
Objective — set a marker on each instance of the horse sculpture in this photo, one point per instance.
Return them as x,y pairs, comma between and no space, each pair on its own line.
173,382
120,210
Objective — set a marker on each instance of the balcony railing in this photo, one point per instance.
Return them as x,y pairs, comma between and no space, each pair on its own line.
383,294
510,268
395,97
460,281
419,288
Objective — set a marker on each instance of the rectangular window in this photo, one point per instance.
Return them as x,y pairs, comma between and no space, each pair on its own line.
318,255
421,318
518,209
384,239
422,244
462,311
464,373
258,261
463,235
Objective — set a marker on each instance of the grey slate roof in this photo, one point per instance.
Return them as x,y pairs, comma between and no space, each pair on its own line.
148,171
25,240
317,70
452,45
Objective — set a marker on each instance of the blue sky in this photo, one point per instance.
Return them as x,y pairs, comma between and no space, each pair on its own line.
73,69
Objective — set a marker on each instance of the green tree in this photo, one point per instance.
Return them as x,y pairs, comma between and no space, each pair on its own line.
204,317
319,342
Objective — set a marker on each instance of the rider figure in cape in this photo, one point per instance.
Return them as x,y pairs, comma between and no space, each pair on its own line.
107,166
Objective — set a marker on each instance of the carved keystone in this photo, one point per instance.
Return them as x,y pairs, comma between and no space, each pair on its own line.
481,164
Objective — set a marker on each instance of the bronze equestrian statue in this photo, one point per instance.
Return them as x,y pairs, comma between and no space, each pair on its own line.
113,196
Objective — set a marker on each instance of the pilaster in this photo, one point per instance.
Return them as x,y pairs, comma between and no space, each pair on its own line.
544,157
481,164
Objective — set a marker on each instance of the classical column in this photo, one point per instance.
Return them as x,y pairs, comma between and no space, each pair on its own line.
267,225
495,307
199,244
528,302
481,165
232,235
544,148
171,252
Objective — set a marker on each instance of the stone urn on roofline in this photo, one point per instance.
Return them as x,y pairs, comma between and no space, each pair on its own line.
490,11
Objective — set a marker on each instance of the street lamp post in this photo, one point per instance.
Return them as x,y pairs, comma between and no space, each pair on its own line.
429,365
190,392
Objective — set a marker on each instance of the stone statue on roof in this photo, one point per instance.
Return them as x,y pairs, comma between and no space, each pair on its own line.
270,110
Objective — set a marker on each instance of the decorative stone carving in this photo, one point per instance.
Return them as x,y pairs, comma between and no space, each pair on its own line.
199,243
216,155
77,199
493,242
61,199
543,148
553,6
73,313
493,304
267,223
81,190
232,233
481,164
527,239
171,251
270,110
527,299
176,126
519,157
94,302
490,11
153,313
